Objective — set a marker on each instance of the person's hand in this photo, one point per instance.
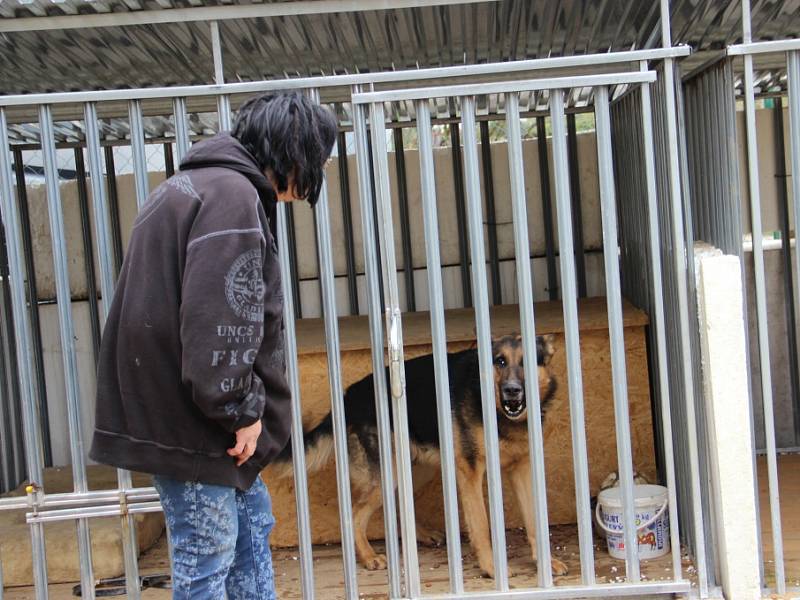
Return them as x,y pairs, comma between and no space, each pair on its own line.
246,440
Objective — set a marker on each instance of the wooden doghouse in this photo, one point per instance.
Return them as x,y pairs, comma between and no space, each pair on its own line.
598,402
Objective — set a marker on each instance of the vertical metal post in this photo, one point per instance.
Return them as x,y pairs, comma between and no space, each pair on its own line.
570,307
547,209
458,180
347,219
528,327
405,225
169,163
105,256
654,240
223,100
374,308
491,212
182,142
294,268
394,331
575,194
12,413
761,304
786,253
439,340
88,253
113,205
67,330
481,298
680,258
33,296
605,169
31,430
138,151
337,393
298,452
793,75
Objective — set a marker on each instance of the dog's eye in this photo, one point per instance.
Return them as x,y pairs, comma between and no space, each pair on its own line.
500,361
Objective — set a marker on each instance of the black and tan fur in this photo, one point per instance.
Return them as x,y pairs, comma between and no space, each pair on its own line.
468,434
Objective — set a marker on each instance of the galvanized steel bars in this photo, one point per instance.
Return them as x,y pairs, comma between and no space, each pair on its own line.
394,331
569,295
439,341
67,330
605,169
373,277
680,258
516,169
793,75
102,221
327,285
480,297
298,451
761,302
31,432
138,151
182,143
661,333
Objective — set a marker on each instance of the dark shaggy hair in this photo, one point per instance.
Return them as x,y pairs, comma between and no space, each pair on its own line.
285,131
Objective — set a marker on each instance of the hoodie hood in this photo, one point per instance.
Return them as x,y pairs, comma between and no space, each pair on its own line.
224,150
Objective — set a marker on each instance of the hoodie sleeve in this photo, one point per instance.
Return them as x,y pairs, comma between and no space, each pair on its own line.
222,312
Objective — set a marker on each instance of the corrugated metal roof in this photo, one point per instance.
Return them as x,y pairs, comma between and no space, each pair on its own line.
257,48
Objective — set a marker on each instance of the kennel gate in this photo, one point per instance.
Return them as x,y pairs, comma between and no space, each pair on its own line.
368,111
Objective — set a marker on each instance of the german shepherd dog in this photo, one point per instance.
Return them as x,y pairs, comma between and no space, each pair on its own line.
468,437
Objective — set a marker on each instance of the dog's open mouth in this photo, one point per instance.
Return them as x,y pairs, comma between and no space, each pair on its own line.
513,407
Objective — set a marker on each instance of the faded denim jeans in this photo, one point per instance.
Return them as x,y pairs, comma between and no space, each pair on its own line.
219,540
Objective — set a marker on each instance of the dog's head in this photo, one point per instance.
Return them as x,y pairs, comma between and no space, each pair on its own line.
509,374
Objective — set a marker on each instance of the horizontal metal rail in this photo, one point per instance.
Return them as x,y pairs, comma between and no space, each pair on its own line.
763,47
504,87
80,499
593,591
389,77
68,514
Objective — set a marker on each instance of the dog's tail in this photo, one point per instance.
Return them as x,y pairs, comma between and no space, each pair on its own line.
318,445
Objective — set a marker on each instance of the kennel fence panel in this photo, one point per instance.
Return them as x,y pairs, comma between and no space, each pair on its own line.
770,51
128,502
465,95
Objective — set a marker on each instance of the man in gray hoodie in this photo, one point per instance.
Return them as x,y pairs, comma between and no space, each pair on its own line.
191,384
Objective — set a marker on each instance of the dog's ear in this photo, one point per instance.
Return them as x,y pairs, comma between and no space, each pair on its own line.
545,348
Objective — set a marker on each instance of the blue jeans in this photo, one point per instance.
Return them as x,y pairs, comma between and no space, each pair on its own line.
219,540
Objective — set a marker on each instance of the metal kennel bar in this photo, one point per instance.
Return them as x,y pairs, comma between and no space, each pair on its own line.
605,169
323,229
298,453
182,143
434,268
528,329
138,151
394,334
31,431
102,219
373,276
67,330
480,296
569,295
761,300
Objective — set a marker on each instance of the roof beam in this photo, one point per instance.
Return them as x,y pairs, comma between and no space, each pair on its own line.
215,13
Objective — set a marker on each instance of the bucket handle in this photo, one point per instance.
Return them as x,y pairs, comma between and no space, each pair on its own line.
647,523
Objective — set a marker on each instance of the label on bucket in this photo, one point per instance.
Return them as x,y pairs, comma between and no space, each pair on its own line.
653,540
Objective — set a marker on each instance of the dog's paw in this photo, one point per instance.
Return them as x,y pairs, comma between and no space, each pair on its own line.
430,537
376,563
558,567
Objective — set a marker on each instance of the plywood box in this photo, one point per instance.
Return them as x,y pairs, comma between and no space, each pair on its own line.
356,363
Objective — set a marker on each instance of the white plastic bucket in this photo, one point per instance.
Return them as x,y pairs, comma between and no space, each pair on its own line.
651,518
